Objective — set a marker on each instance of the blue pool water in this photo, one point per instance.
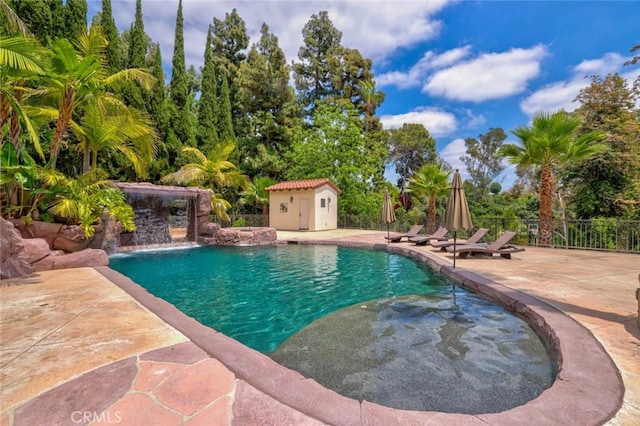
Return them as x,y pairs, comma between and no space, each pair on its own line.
262,295
368,324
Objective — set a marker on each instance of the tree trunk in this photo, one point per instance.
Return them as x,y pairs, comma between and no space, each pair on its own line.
86,159
431,226
14,129
546,198
64,117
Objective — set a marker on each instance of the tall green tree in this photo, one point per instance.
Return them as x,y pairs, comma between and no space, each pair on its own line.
158,109
551,141
319,58
224,120
115,55
430,181
207,132
483,160
58,23
136,58
349,73
181,133
335,147
75,18
266,98
410,147
36,14
608,184
230,42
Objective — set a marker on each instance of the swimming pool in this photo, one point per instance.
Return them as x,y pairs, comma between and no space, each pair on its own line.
264,296
260,296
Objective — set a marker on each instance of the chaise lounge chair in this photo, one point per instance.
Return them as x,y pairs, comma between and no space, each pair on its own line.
474,239
500,246
397,237
423,240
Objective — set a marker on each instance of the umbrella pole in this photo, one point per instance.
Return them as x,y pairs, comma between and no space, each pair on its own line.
454,248
387,232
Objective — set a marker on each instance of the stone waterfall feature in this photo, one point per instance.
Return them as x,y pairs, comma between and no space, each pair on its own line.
153,205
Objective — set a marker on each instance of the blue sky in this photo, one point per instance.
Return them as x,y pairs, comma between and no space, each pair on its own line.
457,67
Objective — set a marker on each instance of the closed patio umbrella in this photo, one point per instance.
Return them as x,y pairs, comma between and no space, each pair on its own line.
388,214
457,215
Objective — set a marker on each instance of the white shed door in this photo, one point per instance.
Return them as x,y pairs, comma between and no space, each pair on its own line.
304,214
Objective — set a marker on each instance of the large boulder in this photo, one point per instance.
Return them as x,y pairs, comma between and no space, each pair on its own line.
70,239
244,236
12,264
22,256
87,257
35,249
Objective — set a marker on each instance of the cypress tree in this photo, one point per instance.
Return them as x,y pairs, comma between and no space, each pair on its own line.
207,135
179,88
137,41
179,92
75,18
114,49
37,15
136,58
57,20
157,107
225,122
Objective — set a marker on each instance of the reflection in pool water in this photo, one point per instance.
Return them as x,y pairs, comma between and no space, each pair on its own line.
262,296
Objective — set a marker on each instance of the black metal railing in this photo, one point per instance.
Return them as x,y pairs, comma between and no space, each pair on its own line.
594,234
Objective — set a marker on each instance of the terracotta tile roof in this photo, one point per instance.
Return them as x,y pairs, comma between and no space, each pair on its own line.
302,184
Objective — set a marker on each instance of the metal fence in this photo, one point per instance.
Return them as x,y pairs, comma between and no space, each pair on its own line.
594,234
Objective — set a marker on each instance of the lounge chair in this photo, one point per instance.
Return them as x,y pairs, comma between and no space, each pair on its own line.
474,239
500,246
397,237
423,240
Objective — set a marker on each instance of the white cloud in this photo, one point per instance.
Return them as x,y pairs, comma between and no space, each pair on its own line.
561,94
489,76
437,122
377,28
452,153
553,97
418,73
609,63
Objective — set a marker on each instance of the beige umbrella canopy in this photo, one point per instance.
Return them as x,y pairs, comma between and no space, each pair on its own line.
388,214
457,215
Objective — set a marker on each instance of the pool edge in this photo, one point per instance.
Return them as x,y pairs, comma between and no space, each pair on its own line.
581,394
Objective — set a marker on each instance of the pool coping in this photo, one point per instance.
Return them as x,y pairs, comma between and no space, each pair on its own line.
588,388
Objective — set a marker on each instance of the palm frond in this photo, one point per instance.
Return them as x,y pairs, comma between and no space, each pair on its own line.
20,53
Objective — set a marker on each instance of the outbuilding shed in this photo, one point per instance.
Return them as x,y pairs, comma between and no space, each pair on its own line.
309,205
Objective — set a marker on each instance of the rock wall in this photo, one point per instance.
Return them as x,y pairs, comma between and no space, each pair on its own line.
45,248
12,264
242,237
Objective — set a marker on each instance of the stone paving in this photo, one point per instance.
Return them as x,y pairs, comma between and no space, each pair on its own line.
77,349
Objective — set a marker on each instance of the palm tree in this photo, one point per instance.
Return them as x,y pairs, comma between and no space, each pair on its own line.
213,171
256,195
20,59
77,76
551,141
370,96
115,128
430,181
